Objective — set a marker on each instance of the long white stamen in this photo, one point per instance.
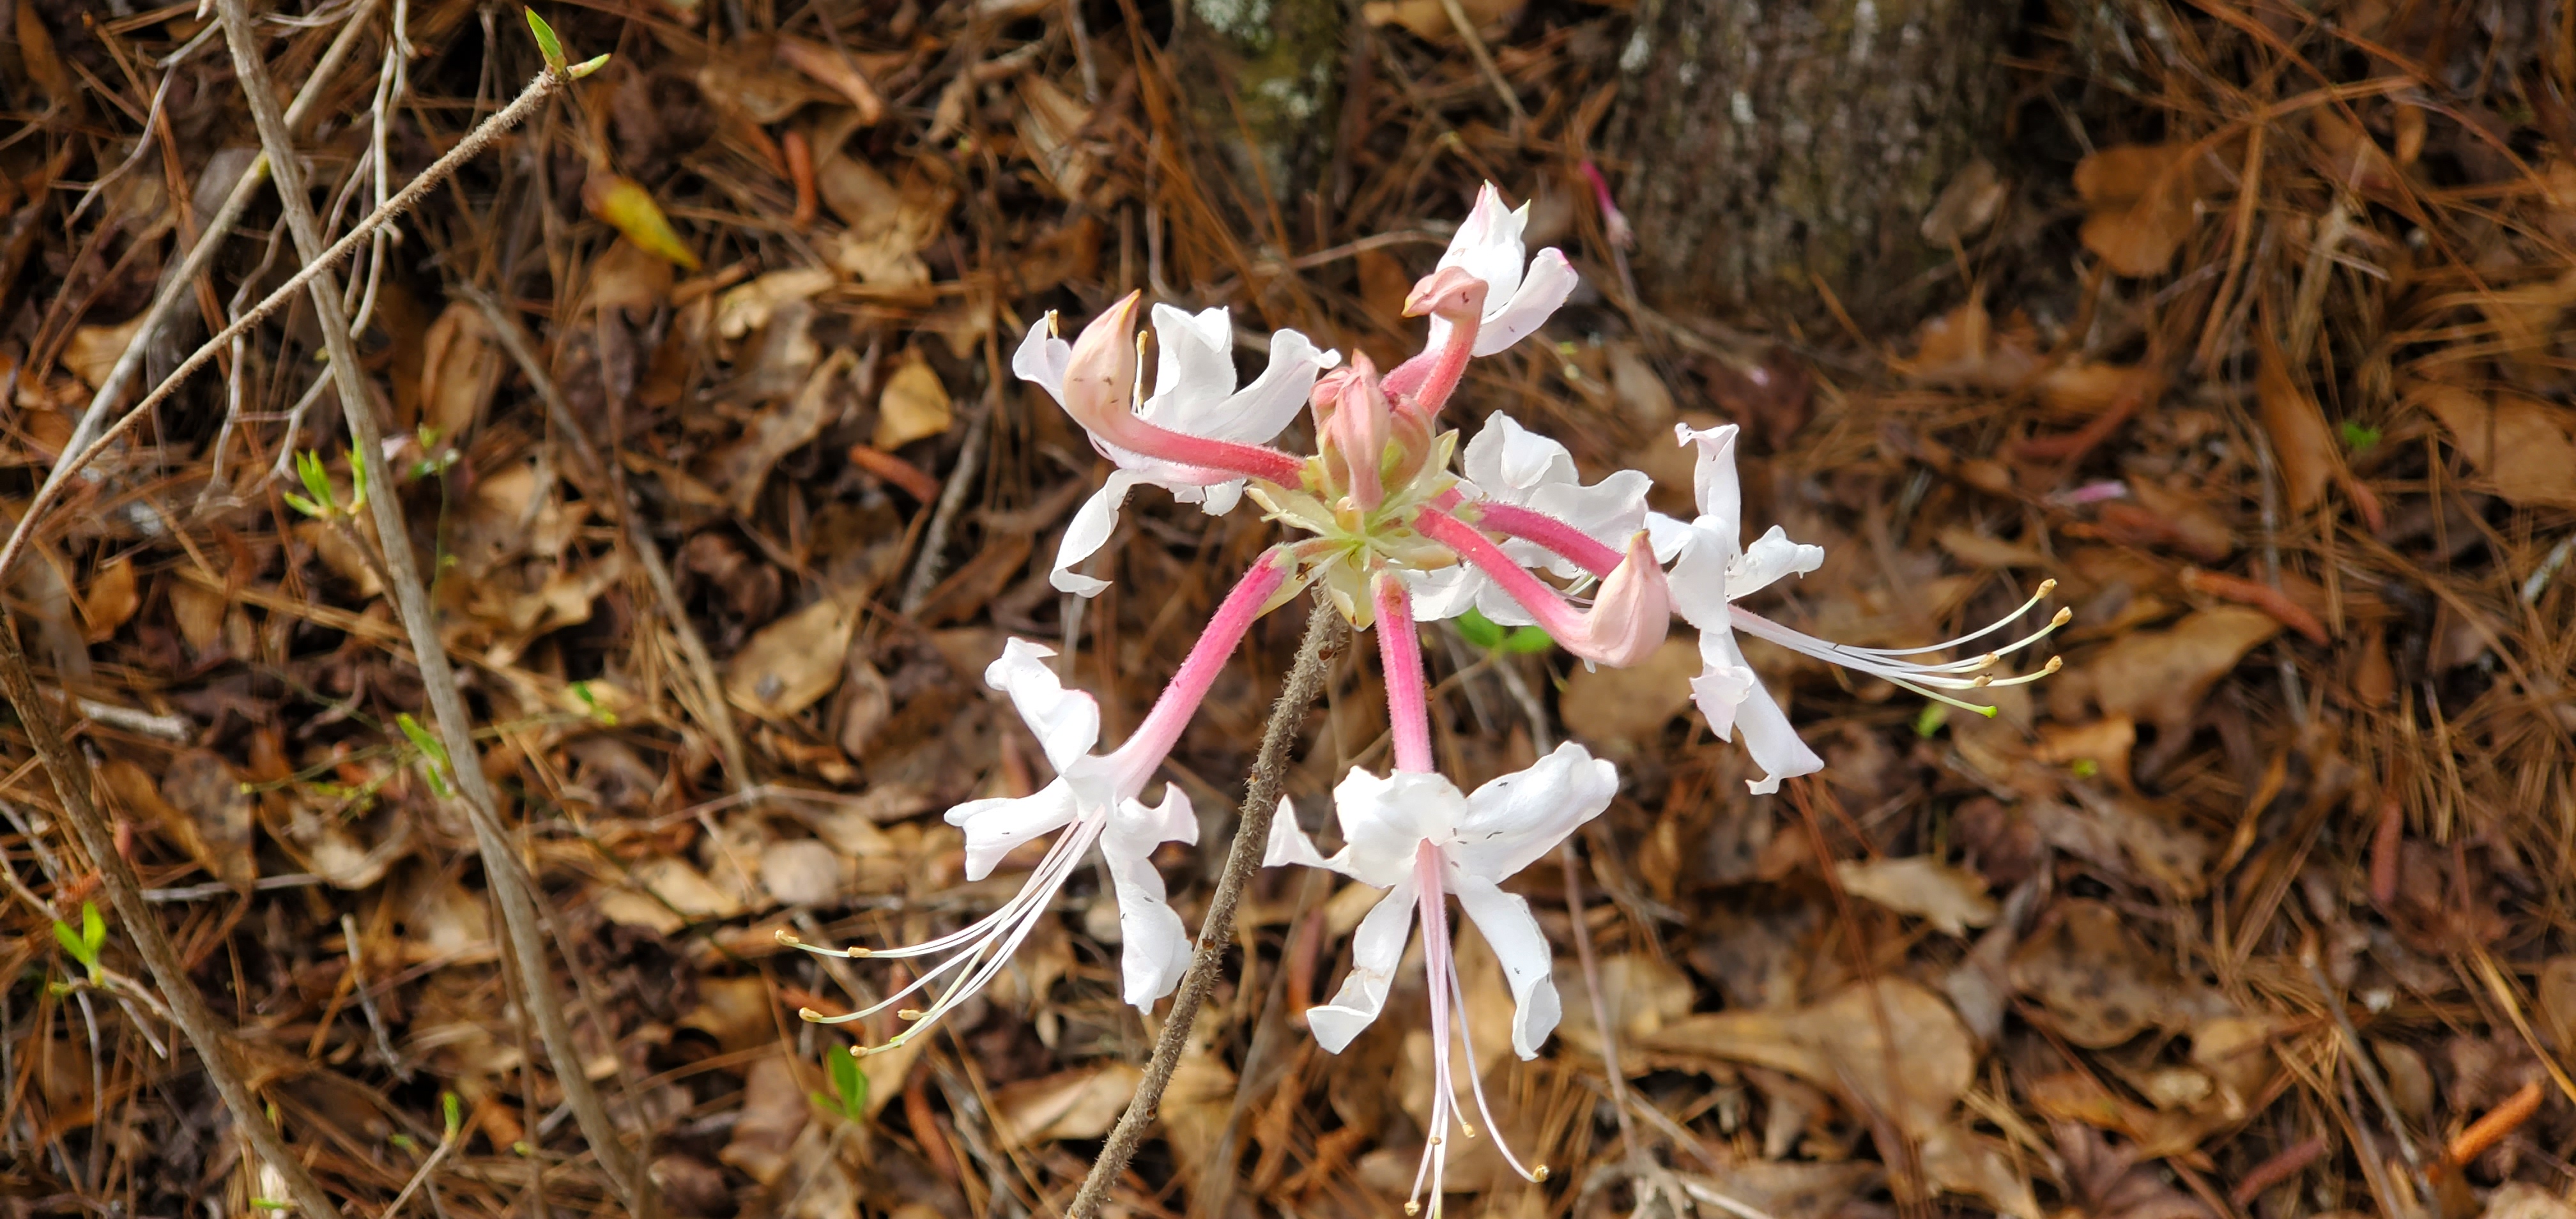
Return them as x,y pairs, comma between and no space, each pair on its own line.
987,943
1476,1077
1948,675
2045,587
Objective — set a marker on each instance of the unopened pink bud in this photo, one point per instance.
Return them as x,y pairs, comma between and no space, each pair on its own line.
1100,380
1630,613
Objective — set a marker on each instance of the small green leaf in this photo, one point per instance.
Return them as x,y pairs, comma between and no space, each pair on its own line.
1479,630
301,504
588,66
431,751
271,1204
71,942
317,481
357,480
451,1109
547,44
1528,641
1929,720
93,928
2085,768
851,1084
2360,438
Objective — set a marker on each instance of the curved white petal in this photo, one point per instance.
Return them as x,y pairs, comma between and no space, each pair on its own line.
1512,931
1770,557
1155,947
1609,512
1488,246
1194,362
1290,847
1551,279
1376,949
1667,535
1507,461
1513,820
1724,682
1220,498
996,827
1445,592
1041,358
1386,820
1721,497
1260,411
1066,722
1089,530
1697,582
1774,744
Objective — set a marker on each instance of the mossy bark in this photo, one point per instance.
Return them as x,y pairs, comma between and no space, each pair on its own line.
1768,141
1269,70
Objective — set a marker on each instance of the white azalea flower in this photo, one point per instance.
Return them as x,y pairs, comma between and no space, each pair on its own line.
1517,301
1510,466
1194,395
1094,799
1712,570
1416,836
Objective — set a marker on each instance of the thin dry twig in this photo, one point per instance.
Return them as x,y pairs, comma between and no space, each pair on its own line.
187,1007
1216,928
511,887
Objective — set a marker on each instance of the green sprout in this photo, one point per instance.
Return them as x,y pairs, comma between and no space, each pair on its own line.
433,754
551,48
2361,438
849,1099
1485,633
321,501
85,944
1930,719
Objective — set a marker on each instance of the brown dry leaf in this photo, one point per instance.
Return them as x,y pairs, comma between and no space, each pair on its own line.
1429,21
1963,348
774,1110
1838,1044
623,204
800,872
199,613
2101,983
2526,448
749,307
1641,392
1956,1161
344,557
793,661
628,277
2353,158
1644,992
1977,550
201,784
142,801
1952,899
1049,122
914,405
2300,440
2104,743
746,80
36,51
1631,705
110,600
1078,1104
2160,677
460,368
2110,1184
742,467
2556,993
2091,388
834,70
733,1011
2183,520
2143,202
665,895
94,350
1967,205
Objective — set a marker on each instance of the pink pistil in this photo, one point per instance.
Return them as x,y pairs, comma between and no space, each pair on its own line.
1428,379
1399,649
1154,738
1568,542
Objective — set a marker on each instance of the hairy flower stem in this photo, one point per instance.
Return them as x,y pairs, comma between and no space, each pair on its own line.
512,887
187,1007
317,264
1216,930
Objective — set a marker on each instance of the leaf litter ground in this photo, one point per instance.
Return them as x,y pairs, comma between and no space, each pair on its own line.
2256,908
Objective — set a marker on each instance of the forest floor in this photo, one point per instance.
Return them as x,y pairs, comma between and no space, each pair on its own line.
2254,345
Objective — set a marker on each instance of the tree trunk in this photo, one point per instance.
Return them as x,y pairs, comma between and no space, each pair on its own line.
1771,140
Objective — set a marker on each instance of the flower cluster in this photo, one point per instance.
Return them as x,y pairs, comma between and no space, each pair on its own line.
1397,524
